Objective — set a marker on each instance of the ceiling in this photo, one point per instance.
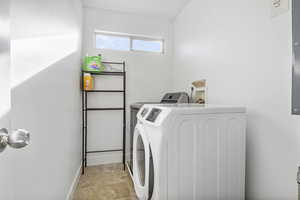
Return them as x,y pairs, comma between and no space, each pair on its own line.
161,8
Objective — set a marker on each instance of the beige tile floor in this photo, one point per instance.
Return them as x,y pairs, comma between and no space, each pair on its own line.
105,182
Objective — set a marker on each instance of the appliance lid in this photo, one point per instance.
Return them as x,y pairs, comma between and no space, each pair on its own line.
138,105
175,97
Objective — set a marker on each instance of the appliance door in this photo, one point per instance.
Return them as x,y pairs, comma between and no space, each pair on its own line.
141,158
129,142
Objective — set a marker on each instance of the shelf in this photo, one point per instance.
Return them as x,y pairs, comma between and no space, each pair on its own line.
105,73
113,63
95,109
104,91
105,151
86,108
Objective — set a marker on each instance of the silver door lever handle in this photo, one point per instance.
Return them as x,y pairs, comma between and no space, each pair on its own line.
17,139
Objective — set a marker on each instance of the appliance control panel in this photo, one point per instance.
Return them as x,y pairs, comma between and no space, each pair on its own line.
153,114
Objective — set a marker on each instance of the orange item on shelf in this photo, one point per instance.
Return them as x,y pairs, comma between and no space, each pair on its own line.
88,81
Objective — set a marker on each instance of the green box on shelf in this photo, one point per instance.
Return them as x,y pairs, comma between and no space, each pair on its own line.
93,64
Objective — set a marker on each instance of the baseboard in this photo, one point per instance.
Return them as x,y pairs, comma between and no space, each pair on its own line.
104,158
74,184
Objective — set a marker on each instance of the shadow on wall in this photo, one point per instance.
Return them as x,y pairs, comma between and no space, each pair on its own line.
47,103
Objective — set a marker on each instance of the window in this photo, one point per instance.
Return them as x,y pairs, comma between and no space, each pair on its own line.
112,42
125,42
147,45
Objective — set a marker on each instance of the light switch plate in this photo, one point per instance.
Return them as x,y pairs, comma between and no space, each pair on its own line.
279,7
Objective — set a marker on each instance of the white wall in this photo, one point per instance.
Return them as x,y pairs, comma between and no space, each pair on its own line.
246,57
45,57
148,75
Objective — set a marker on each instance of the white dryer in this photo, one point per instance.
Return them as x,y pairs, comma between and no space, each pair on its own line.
189,152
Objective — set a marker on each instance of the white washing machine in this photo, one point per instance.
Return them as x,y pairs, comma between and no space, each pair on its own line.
189,152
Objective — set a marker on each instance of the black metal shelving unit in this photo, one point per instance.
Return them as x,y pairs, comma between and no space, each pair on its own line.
86,109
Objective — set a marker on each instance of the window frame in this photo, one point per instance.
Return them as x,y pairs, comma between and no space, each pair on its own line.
131,37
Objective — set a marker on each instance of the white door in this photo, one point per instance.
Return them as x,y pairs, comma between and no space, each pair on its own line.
7,155
6,159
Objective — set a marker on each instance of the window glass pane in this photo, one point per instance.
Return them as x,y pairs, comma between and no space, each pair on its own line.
147,45
112,42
